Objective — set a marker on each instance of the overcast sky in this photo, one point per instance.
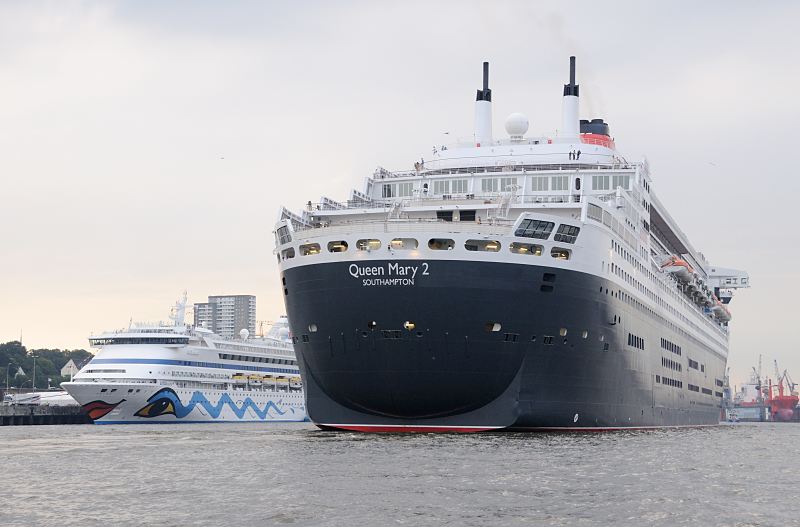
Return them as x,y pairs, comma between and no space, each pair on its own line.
145,147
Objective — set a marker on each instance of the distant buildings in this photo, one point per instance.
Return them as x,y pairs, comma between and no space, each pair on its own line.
227,315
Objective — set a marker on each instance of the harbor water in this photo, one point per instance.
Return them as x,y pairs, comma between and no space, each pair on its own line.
295,474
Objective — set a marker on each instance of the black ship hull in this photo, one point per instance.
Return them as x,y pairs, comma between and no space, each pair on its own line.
469,346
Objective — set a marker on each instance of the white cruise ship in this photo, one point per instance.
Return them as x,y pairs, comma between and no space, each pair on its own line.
175,373
520,283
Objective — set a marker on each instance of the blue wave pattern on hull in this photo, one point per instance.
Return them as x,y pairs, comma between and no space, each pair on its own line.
166,402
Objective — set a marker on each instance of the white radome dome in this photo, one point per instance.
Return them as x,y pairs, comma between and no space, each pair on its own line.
516,124
244,333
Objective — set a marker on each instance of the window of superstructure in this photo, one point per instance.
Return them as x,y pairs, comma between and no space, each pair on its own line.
525,248
595,212
540,183
388,190
489,185
600,183
308,249
466,215
337,246
441,187
529,228
482,245
566,233
283,235
559,182
368,245
441,244
460,186
404,244
287,253
507,184
560,253
623,181
405,189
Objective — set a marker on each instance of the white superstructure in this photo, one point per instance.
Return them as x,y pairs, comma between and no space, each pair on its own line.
178,373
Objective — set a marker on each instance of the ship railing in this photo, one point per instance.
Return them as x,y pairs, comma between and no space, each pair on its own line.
458,200
391,174
492,226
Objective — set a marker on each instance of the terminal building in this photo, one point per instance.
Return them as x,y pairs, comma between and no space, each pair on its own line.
227,315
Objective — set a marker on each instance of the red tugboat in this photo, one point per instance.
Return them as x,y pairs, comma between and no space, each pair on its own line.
782,405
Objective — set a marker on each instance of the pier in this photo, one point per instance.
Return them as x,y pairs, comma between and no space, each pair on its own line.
20,414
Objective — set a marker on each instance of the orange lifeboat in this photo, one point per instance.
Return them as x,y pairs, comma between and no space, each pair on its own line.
679,268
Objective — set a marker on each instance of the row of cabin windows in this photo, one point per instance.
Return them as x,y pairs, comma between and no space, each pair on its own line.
635,341
505,184
436,244
251,358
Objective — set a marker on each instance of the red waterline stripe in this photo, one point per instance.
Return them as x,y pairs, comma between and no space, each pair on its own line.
410,428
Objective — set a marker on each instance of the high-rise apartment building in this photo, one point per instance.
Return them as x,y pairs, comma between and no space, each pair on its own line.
227,315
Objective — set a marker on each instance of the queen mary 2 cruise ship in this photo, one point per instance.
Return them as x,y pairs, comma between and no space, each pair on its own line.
522,283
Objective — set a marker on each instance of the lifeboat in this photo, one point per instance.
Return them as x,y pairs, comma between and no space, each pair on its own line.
255,379
721,312
679,268
239,378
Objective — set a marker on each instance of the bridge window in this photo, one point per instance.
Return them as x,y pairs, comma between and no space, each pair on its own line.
534,229
337,246
560,253
368,245
309,249
283,235
566,233
441,244
482,245
287,253
526,248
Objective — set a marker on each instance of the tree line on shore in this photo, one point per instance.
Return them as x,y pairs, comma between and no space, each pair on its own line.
16,365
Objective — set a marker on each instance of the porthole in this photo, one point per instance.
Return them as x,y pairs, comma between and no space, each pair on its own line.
372,325
562,332
493,327
312,328
585,334
409,325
